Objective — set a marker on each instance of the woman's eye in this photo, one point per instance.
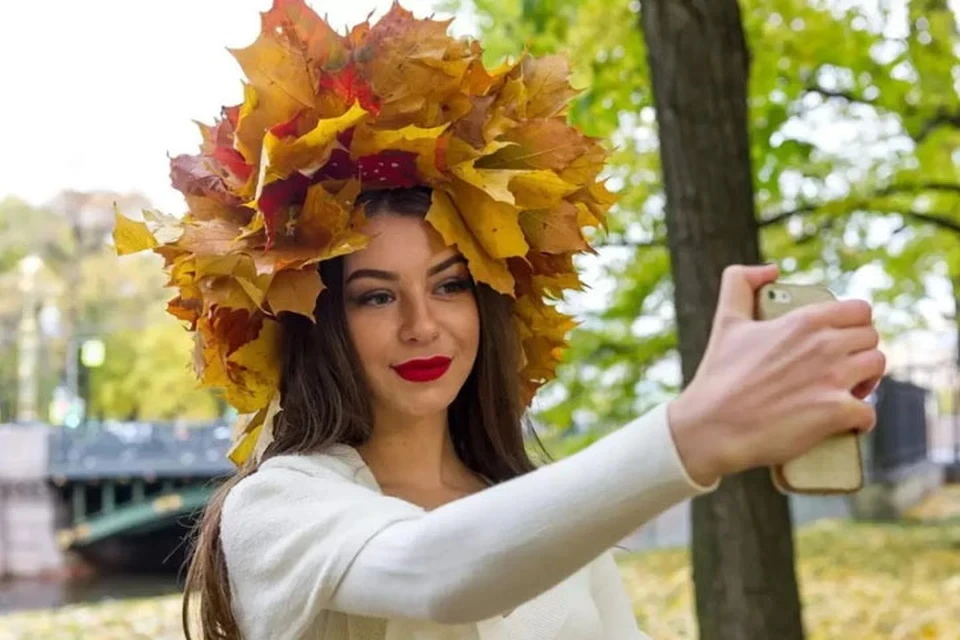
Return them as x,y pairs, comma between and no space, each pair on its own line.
455,286
376,299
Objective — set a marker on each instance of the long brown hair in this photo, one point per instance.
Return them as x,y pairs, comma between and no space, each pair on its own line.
325,402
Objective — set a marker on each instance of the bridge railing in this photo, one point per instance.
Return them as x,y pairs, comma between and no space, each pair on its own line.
139,449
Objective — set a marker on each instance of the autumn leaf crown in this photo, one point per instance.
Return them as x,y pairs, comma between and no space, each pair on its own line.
326,116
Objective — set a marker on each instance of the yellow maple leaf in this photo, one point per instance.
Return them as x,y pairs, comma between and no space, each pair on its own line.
494,224
444,217
131,236
254,370
295,291
539,189
547,86
260,111
272,65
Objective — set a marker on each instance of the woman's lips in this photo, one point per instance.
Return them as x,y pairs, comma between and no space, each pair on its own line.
423,369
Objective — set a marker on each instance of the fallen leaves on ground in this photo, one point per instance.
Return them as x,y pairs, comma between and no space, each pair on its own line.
149,618
869,581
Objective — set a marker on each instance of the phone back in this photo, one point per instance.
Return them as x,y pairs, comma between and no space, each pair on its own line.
834,465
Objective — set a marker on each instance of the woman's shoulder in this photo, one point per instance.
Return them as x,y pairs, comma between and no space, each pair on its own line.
338,461
338,472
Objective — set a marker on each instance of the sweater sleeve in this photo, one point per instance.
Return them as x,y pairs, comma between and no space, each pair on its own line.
297,543
612,601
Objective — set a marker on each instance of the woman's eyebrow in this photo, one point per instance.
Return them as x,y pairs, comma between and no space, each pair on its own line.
380,274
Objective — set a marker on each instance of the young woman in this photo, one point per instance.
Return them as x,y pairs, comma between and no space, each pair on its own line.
398,215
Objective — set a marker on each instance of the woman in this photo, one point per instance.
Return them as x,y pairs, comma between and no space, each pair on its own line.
373,239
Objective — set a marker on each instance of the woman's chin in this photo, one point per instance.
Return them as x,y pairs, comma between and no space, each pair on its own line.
424,399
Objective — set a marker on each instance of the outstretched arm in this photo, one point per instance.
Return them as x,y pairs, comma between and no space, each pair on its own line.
297,544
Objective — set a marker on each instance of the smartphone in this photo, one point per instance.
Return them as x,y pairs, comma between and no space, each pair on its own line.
834,465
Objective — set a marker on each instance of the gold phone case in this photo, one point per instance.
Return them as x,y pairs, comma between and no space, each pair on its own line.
834,465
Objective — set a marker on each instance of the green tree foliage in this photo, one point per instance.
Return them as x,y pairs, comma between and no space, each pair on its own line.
147,372
854,121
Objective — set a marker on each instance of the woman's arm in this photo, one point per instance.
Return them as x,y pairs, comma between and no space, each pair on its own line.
492,551
299,539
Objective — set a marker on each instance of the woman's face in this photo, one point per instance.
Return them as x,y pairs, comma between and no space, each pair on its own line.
412,315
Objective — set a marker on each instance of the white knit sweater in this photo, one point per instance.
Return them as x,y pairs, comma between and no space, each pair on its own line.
315,550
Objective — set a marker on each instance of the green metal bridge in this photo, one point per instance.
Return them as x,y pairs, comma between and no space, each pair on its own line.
130,485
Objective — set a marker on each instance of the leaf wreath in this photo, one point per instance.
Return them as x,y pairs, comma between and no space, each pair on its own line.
326,116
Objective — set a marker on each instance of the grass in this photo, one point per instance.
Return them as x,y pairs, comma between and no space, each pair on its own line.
897,581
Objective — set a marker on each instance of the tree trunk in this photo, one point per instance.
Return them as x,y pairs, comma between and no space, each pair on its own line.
743,559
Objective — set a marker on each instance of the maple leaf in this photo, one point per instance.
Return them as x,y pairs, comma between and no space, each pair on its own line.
470,127
494,182
547,87
271,64
494,224
539,144
539,189
303,29
444,217
131,236
324,215
203,208
277,201
253,370
295,291
260,111
348,85
593,201
308,152
193,175
213,237
554,230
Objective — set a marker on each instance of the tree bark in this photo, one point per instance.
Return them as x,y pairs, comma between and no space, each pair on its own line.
743,557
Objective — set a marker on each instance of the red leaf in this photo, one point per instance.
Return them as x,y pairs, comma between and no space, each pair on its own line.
234,327
351,86
276,199
340,166
234,162
389,169
288,129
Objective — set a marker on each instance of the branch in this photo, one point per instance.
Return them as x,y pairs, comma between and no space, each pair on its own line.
940,119
842,95
941,220
936,219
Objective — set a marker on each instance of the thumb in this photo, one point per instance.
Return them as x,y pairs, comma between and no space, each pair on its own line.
738,289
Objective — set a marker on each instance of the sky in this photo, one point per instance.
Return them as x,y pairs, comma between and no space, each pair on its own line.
97,93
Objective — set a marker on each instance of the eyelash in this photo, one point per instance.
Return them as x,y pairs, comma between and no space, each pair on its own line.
458,285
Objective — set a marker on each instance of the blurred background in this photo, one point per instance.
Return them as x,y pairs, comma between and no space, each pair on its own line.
108,449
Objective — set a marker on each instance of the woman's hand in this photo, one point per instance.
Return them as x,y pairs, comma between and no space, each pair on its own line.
767,391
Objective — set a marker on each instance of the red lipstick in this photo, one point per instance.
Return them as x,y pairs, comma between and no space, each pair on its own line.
423,369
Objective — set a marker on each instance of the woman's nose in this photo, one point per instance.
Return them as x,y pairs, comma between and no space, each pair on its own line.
418,323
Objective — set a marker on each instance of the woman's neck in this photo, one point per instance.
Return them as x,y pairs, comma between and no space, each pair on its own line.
414,452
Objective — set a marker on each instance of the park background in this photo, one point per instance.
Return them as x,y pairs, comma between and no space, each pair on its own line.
852,146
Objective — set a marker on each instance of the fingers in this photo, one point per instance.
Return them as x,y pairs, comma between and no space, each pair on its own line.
865,388
839,314
738,289
862,367
853,340
857,415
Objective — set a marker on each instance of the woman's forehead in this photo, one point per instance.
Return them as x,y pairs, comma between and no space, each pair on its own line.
399,242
